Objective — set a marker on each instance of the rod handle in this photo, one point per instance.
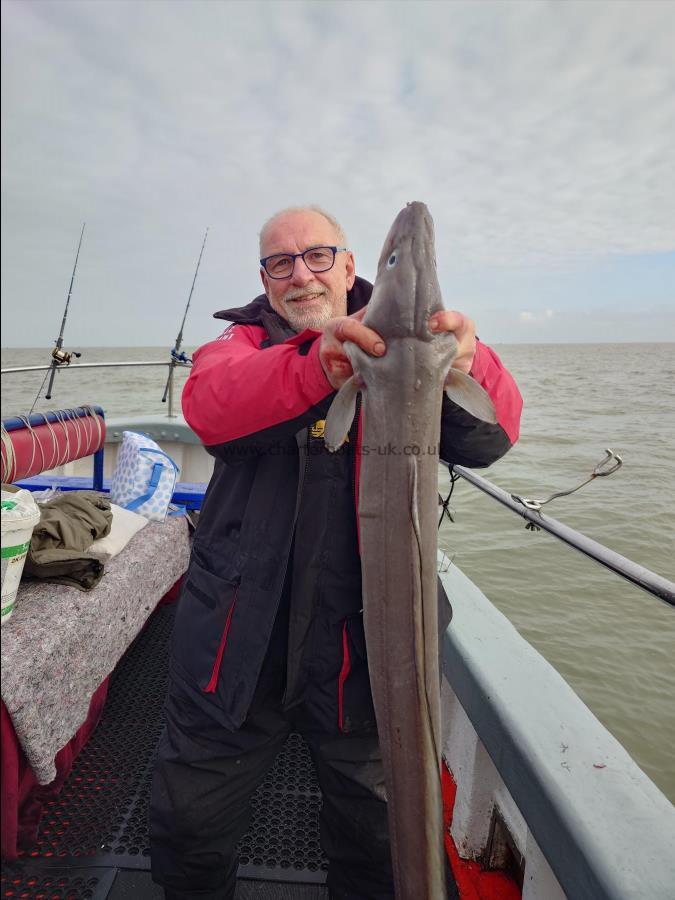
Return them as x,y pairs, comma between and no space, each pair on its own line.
48,395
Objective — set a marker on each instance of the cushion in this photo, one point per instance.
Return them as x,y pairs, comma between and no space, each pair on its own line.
124,526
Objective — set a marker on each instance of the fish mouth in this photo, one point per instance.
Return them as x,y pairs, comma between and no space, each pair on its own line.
413,228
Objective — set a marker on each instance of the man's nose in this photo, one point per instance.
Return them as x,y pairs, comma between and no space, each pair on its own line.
301,274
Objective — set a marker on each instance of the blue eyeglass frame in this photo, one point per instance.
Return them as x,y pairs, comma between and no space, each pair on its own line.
294,256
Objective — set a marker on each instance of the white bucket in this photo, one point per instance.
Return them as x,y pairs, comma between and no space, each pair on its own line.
20,515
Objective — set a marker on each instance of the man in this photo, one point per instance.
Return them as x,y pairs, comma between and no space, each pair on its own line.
269,633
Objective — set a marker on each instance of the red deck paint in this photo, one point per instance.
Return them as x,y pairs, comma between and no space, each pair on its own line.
473,882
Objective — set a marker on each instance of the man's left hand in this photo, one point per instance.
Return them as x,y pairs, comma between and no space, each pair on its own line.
336,364
465,332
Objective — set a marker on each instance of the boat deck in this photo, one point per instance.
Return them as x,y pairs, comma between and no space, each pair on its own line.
93,839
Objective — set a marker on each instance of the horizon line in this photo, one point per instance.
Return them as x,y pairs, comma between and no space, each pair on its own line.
197,346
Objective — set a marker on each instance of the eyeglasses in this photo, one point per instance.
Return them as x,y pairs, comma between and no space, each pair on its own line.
317,259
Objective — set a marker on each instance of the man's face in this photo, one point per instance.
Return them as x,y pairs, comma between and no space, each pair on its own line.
306,299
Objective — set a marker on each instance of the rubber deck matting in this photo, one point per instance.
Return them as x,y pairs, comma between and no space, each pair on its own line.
99,820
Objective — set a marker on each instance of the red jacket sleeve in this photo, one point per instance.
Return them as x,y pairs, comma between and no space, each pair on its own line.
489,372
236,388
468,441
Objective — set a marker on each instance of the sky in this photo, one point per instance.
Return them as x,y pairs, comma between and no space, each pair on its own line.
541,136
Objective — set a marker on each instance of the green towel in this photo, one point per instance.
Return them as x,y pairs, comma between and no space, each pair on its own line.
68,525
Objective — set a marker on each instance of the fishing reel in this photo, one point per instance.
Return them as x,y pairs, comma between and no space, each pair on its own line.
63,357
181,357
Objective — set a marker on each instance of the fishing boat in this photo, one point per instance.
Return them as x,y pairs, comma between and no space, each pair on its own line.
541,801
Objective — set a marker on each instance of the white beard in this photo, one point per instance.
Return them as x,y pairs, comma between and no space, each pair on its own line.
316,318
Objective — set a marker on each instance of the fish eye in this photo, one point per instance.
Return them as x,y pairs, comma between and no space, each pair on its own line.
391,262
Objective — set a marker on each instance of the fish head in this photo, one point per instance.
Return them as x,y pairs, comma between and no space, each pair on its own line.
406,290
405,295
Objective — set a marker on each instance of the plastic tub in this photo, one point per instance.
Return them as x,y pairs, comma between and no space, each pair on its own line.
20,515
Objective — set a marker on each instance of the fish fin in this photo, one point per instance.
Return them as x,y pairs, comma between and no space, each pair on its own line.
341,415
463,390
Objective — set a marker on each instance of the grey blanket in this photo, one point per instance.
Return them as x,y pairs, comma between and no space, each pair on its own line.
60,644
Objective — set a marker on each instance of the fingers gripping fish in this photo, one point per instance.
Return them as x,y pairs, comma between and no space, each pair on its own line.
402,394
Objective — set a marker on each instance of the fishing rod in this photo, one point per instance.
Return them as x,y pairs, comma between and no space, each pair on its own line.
177,357
530,511
59,356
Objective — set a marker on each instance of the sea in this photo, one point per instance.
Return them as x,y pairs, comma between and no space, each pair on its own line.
613,642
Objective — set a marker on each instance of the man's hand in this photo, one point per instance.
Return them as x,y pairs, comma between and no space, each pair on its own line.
465,332
335,362
337,365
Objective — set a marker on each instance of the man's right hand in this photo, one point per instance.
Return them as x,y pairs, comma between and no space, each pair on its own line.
335,362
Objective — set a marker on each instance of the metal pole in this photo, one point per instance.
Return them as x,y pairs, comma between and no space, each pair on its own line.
649,581
98,365
170,413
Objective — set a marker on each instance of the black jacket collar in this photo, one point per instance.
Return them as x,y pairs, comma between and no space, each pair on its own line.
260,312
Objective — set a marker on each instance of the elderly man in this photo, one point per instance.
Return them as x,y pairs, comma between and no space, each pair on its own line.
269,634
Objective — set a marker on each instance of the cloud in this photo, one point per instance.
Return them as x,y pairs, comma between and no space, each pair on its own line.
541,316
540,135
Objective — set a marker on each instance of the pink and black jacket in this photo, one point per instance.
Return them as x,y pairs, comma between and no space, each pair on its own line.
277,537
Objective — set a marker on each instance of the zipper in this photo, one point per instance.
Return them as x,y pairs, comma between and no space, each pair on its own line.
302,476
353,432
344,674
213,681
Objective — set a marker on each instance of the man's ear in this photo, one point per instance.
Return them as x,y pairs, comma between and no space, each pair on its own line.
350,266
263,278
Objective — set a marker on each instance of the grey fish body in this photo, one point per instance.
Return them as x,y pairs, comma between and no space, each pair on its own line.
402,394
397,512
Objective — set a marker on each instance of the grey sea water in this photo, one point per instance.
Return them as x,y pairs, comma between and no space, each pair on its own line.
611,641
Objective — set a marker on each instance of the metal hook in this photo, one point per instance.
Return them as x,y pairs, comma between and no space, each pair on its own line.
602,468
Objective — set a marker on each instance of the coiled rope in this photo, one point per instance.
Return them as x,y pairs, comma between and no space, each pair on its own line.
79,438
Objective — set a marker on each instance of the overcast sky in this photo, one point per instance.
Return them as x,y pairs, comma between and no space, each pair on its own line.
541,136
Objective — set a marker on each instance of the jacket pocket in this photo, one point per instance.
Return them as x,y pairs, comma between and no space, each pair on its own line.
215,672
355,700
202,627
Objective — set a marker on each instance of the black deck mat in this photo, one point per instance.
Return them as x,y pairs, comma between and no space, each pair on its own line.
138,886
46,883
99,820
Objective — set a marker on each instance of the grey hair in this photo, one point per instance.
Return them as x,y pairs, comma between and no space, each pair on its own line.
341,236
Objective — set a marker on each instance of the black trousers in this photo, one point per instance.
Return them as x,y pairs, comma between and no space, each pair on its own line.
205,776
